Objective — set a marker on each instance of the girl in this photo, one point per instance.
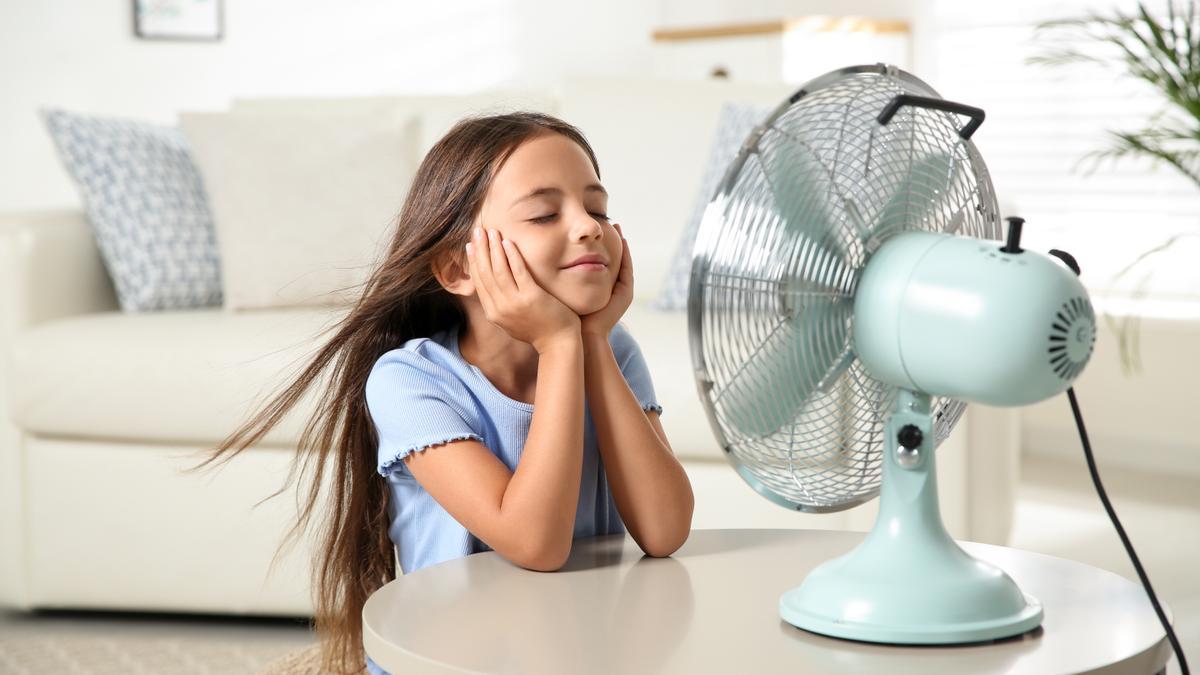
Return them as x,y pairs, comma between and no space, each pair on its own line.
456,419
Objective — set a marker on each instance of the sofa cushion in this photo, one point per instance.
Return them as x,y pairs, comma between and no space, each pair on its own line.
192,377
146,205
303,205
188,377
436,112
652,137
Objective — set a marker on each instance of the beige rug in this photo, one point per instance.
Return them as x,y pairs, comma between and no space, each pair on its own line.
120,655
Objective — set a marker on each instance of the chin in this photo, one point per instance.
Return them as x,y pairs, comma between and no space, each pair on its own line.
582,305
589,308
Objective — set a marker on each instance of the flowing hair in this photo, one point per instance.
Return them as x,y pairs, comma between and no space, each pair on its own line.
400,299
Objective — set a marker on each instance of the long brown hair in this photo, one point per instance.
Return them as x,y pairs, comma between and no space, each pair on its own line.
400,299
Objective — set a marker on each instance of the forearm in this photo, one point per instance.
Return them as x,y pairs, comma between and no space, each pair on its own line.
543,492
650,487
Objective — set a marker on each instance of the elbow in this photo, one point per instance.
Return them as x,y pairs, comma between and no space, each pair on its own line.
545,563
549,556
664,548
665,543
538,566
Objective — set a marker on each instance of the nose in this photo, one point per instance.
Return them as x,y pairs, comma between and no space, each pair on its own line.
586,226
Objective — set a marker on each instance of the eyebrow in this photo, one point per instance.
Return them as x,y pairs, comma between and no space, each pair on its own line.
594,187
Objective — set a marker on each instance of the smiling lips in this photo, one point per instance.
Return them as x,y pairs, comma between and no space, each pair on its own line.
590,261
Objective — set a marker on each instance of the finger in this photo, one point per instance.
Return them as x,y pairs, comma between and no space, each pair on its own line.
626,259
501,274
516,263
482,272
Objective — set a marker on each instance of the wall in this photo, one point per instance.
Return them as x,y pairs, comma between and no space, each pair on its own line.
83,56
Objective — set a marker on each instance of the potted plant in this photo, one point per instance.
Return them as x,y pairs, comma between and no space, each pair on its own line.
1166,54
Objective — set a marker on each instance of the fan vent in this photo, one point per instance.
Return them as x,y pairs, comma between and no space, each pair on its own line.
1072,338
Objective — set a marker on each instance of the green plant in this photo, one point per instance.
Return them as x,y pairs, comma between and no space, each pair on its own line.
1165,54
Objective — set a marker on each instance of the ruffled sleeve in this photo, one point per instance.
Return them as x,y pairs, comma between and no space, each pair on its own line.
633,367
416,404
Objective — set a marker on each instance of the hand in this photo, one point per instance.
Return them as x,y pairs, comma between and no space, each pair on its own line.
601,321
511,298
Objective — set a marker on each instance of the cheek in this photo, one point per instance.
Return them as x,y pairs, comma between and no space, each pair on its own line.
615,250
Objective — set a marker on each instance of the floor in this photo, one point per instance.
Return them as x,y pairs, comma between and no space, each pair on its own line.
119,643
1058,513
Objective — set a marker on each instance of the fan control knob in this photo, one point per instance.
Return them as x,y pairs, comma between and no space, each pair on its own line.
910,436
908,453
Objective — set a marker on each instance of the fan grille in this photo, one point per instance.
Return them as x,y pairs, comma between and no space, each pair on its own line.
813,192
1067,350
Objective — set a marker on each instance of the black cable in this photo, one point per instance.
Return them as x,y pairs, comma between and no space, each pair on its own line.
1137,565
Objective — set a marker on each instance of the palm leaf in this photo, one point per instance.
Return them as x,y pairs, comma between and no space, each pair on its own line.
1164,54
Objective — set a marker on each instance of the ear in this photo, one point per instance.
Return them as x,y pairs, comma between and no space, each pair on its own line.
452,271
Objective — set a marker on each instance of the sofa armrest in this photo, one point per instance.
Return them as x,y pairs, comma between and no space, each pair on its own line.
49,268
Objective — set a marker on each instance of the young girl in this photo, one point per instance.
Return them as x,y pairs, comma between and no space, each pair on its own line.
456,420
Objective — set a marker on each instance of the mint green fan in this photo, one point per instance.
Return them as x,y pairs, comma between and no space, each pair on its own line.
849,292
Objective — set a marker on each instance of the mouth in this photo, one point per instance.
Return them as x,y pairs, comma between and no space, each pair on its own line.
588,267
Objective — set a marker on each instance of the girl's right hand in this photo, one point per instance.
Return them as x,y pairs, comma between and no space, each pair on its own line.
512,299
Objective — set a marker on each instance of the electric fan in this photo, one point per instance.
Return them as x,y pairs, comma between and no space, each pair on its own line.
849,290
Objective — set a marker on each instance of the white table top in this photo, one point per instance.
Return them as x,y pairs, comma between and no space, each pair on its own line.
714,607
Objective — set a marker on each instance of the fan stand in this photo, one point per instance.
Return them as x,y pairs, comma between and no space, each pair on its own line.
908,582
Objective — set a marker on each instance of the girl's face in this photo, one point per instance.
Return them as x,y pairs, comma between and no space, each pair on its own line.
547,199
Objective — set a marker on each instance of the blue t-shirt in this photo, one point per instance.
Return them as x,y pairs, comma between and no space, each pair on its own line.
425,394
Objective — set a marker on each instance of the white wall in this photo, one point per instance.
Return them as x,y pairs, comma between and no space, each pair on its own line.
82,55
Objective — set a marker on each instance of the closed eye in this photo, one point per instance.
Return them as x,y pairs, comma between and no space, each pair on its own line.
549,217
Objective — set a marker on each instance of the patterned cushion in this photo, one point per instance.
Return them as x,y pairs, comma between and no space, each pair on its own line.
146,204
736,122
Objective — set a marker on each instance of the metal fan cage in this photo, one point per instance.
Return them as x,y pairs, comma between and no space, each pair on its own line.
775,268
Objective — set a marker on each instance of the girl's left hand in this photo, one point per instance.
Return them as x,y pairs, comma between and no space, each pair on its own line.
601,321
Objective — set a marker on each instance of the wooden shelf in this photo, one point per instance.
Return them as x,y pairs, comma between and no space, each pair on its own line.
815,24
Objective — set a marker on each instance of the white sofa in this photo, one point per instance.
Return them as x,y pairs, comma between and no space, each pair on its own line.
102,409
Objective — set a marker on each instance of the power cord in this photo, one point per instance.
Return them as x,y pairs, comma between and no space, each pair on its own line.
1108,507
1137,565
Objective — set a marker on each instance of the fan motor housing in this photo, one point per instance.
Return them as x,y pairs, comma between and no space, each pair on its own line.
958,316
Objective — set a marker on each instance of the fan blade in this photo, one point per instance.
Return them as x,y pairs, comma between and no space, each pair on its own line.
800,353
808,295
925,186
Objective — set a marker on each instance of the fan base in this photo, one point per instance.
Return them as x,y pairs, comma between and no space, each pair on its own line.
909,582
948,632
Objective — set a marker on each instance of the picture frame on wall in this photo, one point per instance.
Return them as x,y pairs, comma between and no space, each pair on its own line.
178,19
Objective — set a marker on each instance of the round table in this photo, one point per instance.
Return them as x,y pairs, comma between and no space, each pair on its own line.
713,607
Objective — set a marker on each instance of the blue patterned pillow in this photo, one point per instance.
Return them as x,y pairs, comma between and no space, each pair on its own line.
146,204
736,122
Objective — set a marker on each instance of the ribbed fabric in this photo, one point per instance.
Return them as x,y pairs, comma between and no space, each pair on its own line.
424,394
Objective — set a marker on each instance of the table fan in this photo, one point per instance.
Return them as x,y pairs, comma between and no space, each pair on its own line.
849,290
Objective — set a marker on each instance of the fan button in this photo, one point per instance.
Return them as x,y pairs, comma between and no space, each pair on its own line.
908,453
910,436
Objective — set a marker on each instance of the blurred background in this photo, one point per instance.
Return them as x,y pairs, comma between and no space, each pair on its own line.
112,114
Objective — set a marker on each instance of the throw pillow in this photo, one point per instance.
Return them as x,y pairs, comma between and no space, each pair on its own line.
303,204
146,205
735,123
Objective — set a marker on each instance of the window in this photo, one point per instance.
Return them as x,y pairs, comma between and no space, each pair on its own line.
1041,121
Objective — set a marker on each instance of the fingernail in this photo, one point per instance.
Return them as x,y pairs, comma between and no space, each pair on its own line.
468,248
